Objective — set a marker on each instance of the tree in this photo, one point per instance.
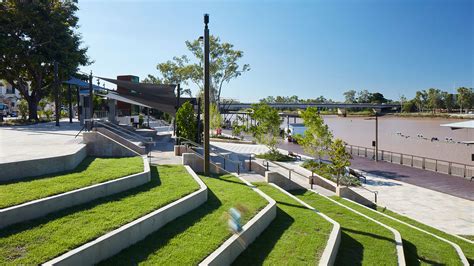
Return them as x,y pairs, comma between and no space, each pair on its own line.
186,121
224,66
448,100
173,72
433,99
340,158
421,100
350,96
376,97
409,106
33,35
215,120
267,128
317,137
465,98
363,96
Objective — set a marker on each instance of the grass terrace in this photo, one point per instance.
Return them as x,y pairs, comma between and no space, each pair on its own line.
419,247
363,242
467,248
192,237
89,172
297,235
43,239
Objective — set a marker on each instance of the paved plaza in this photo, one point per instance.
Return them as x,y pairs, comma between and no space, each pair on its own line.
440,210
38,141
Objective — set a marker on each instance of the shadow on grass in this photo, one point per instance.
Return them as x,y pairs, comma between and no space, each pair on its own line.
257,252
160,238
80,168
412,257
351,251
17,228
371,235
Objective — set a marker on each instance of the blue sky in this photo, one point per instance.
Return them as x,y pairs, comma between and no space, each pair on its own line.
304,48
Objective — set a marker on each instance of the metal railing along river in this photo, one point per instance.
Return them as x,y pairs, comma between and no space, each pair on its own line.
420,162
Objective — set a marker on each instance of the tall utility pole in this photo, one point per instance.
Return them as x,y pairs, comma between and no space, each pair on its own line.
206,96
56,93
91,102
376,137
69,97
176,131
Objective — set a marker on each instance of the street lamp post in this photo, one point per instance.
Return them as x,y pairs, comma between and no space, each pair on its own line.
56,93
206,95
376,137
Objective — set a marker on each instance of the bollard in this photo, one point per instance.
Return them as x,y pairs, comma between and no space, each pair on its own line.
224,163
267,166
250,162
238,169
289,174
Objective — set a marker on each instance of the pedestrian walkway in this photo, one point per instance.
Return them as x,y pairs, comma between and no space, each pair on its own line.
442,211
452,185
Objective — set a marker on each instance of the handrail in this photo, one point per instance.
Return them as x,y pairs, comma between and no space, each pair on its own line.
133,135
464,167
410,155
224,157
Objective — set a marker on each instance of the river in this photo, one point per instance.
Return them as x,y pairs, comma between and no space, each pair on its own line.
361,131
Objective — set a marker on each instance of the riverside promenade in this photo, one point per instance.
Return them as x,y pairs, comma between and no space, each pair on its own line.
438,209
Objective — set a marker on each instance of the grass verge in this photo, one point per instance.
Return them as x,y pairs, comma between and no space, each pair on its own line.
363,242
43,239
297,235
467,248
89,172
192,237
419,247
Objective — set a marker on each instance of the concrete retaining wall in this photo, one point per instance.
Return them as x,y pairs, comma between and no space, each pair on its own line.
41,207
281,181
323,182
196,162
345,192
133,232
121,140
36,167
237,243
101,145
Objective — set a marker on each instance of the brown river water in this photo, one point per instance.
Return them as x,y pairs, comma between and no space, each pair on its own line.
361,131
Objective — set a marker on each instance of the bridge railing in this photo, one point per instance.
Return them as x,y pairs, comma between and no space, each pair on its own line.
420,162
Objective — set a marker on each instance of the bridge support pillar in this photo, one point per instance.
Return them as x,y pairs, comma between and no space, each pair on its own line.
342,112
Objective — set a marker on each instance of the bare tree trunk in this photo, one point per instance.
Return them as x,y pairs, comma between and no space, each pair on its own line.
33,109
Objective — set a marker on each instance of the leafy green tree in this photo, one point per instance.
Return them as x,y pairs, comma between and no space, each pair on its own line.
363,96
224,66
409,106
421,99
215,121
34,35
174,71
434,99
339,157
317,137
267,128
350,96
448,100
23,108
186,121
377,97
465,98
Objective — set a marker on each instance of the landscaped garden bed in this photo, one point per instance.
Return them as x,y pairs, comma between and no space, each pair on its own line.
43,239
192,237
419,247
89,172
363,242
275,156
324,170
297,235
